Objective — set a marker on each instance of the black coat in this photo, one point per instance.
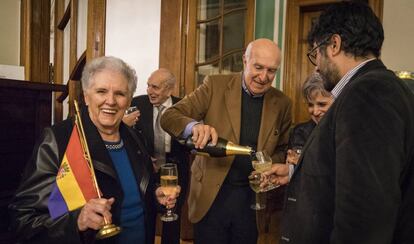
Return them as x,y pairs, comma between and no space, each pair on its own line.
300,134
179,153
355,180
29,212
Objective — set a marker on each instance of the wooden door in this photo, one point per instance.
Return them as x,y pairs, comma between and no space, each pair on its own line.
299,17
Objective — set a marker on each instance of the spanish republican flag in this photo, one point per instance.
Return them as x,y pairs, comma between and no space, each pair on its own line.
74,185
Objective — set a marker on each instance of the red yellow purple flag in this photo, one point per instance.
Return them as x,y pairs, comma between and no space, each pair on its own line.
74,185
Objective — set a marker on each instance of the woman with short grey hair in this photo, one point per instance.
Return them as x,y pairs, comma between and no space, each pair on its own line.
319,100
123,170
109,63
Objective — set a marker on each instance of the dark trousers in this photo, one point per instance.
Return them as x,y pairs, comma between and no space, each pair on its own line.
230,220
171,230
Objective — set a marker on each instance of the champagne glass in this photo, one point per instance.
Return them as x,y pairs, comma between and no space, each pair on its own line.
262,162
255,178
169,183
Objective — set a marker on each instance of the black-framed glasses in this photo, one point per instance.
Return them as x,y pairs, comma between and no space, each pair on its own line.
312,53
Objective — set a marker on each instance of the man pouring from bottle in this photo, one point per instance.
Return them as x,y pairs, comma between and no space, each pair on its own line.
243,108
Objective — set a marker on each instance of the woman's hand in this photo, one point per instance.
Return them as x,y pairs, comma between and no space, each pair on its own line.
167,200
93,213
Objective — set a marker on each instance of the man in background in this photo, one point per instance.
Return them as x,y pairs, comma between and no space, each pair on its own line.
355,180
245,109
160,145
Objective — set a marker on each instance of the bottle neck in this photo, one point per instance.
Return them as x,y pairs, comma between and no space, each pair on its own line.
221,149
234,149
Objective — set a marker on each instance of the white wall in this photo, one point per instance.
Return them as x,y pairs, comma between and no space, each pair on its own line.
10,32
398,48
132,34
82,27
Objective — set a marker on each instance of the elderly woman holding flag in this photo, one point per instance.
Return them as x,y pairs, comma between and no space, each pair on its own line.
91,171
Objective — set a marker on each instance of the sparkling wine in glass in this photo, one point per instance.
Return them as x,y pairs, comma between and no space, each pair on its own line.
169,183
255,178
262,162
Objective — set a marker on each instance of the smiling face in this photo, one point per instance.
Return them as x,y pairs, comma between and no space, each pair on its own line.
318,105
107,98
261,61
158,87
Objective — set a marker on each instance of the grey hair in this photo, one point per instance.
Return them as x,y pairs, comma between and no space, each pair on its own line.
314,83
111,63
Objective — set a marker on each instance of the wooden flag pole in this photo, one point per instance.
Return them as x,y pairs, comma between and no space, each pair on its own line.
108,229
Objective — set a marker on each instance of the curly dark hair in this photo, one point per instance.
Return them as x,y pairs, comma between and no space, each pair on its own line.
360,29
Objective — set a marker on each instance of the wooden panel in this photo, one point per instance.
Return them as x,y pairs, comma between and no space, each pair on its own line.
377,6
26,110
171,39
73,34
34,39
191,45
58,58
250,16
96,29
25,36
74,86
300,108
63,20
39,40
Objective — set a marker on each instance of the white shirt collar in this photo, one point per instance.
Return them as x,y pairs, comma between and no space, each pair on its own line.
336,91
167,103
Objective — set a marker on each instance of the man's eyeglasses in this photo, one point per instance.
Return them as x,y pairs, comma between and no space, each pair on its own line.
312,53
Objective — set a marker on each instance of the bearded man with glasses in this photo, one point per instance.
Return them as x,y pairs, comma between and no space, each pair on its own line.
354,182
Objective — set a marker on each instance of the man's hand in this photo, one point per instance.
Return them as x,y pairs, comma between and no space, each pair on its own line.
93,213
202,134
132,118
278,174
167,200
292,157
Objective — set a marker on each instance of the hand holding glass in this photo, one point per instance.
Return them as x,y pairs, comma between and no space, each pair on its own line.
169,184
131,110
262,162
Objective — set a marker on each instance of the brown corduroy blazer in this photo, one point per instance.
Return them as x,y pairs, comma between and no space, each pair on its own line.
217,102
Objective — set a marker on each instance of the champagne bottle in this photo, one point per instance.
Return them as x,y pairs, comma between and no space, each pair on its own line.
221,149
